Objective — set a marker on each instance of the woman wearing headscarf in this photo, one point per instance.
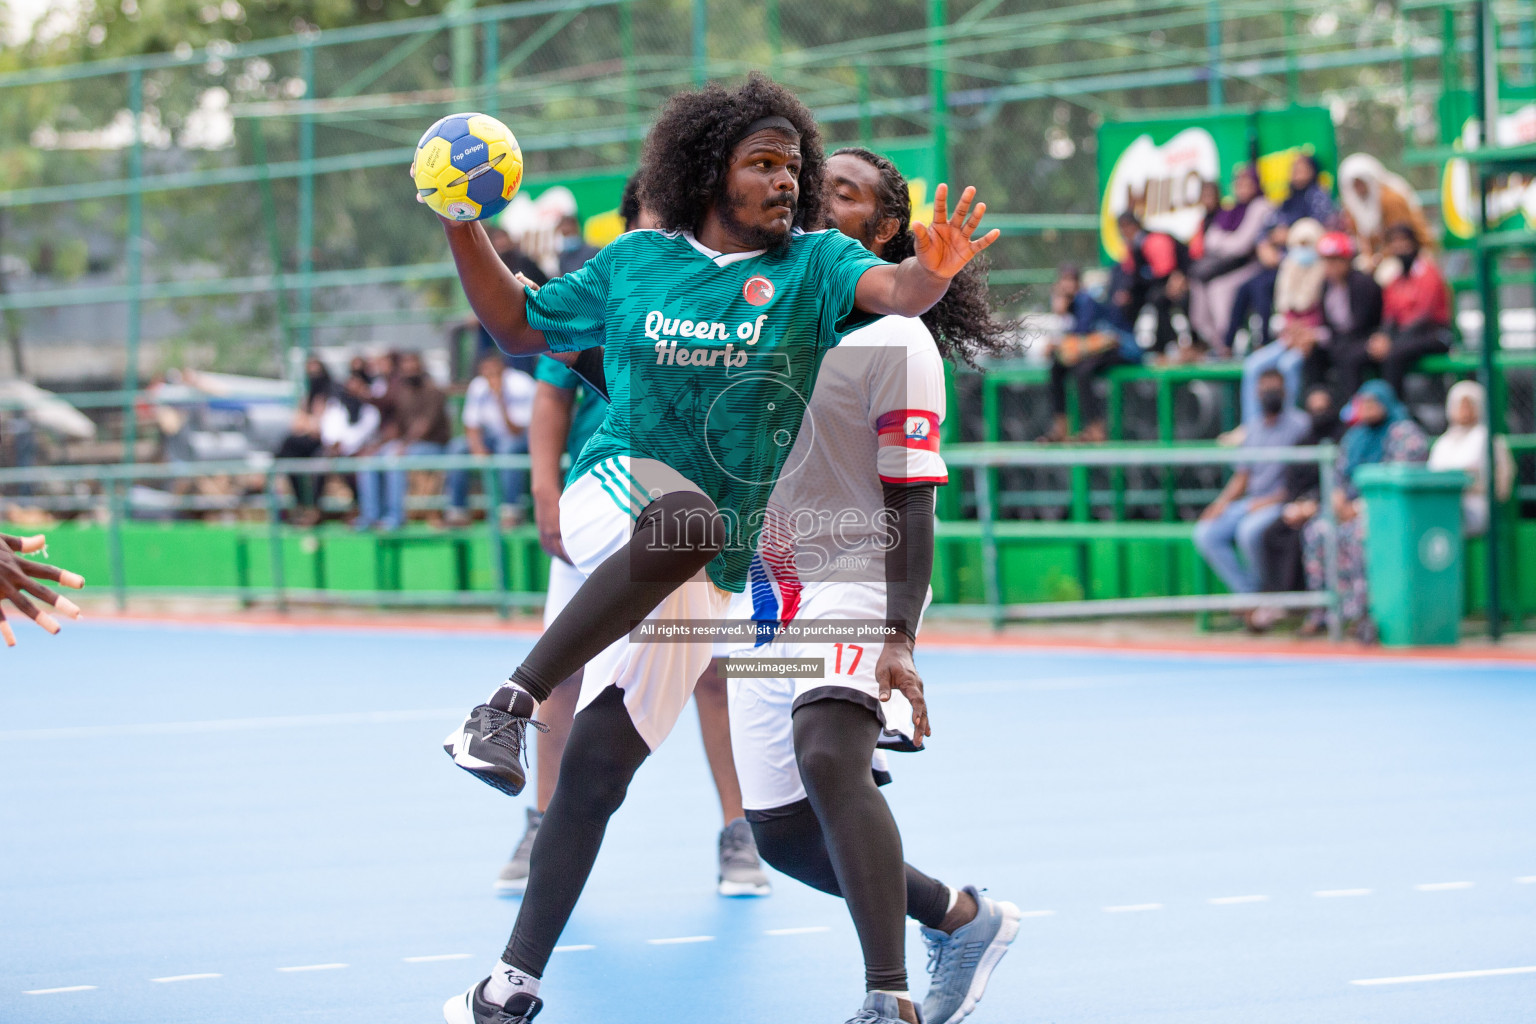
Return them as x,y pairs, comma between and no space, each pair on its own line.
1464,446
1376,199
1380,431
1307,197
1299,300
1227,259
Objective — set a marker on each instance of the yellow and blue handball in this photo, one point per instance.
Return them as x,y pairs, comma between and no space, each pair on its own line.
467,167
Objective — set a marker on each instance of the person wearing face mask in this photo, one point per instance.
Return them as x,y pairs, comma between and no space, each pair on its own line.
1380,431
1415,313
1298,299
1230,529
572,250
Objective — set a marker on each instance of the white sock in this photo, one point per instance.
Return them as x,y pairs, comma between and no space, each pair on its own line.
899,995
507,981
954,897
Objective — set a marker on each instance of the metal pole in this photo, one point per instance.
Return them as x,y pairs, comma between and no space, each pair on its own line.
135,268
462,37
866,125
775,37
306,227
1488,112
1292,75
631,100
275,542
491,71
938,96
991,585
700,43
1325,469
1213,88
492,483
115,511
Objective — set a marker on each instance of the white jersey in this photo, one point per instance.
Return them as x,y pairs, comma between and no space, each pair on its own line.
873,418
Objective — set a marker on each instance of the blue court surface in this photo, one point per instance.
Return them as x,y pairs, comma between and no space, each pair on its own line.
219,823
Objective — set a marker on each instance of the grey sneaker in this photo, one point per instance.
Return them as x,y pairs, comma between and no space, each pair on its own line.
960,965
513,878
472,1008
741,873
882,1008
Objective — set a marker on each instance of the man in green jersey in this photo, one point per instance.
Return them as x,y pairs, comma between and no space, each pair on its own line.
714,330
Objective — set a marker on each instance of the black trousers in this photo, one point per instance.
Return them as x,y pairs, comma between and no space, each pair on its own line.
1409,345
1280,566
307,487
1089,406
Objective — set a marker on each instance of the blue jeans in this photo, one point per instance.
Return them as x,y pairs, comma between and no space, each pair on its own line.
514,482
392,484
1237,530
1274,356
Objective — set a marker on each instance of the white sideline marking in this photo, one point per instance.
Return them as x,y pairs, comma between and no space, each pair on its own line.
56,991
578,948
312,967
1443,886
1328,894
231,724
810,930
1527,880
1224,901
680,940
1037,913
434,958
184,977
1449,976
1131,908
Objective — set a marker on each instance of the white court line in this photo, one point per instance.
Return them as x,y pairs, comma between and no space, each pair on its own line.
184,977
578,948
229,724
1449,976
1443,886
1224,901
810,930
1328,894
56,991
1037,913
312,967
1526,880
1132,908
680,940
436,957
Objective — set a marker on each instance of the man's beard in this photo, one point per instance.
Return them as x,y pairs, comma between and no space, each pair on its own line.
757,236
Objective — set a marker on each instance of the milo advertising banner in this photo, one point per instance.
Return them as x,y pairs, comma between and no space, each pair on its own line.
1156,168
1512,195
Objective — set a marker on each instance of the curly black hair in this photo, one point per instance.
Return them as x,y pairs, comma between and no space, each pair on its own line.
689,148
963,322
629,204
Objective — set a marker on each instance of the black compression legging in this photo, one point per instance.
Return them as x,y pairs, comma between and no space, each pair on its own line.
848,844
675,536
602,755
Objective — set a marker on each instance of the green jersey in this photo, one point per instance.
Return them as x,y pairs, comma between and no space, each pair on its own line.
710,357
587,409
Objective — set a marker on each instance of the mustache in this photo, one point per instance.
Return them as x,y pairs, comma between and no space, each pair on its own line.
787,202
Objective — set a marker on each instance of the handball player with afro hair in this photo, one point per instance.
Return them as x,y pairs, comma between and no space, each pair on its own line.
713,330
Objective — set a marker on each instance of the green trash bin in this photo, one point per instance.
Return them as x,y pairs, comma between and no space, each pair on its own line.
1413,552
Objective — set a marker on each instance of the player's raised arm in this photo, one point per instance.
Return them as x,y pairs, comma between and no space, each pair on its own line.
496,296
911,287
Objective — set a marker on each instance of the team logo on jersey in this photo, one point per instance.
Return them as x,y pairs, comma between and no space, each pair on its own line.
917,428
758,290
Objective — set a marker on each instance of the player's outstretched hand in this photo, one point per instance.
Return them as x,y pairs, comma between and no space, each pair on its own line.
946,246
896,671
18,579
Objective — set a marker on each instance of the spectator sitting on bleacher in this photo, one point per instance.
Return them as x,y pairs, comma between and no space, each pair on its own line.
1307,198
1227,260
303,441
1415,313
1464,446
1231,527
414,416
1280,566
1380,431
1377,200
497,409
1254,303
349,423
1299,302
1151,274
1096,338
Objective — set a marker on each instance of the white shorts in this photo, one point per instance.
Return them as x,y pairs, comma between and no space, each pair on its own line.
564,580
762,708
597,518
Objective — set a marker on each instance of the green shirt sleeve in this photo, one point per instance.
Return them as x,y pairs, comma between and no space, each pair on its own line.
571,309
839,262
556,373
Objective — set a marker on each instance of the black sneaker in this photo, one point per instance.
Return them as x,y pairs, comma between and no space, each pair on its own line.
492,745
471,1008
